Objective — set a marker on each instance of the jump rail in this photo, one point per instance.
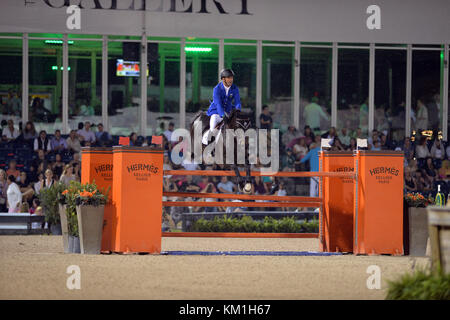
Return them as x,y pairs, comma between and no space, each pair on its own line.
240,204
242,196
260,174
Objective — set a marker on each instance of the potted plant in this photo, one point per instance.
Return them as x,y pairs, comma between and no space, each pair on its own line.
68,217
49,202
90,207
415,224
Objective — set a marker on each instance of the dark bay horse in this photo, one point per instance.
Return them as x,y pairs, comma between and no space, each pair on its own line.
237,120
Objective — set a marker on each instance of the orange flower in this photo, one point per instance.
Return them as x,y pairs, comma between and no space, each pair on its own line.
65,192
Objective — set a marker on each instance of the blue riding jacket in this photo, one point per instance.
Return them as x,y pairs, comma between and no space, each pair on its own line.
222,102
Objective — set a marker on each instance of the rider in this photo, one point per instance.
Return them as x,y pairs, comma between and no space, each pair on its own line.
222,103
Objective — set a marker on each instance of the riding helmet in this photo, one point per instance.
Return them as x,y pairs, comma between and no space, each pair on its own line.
225,73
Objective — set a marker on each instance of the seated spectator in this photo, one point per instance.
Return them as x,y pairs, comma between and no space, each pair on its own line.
42,143
373,138
103,137
407,147
376,146
300,149
58,166
330,134
344,137
26,187
410,182
76,168
3,188
309,135
189,185
40,163
73,143
290,135
422,151
424,183
337,145
67,175
168,132
38,185
86,135
259,186
226,186
385,142
205,184
58,144
12,170
10,133
13,195
265,119
29,133
430,170
36,203
437,153
352,145
134,140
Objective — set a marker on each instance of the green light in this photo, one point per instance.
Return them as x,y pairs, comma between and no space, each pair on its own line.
56,68
57,42
197,49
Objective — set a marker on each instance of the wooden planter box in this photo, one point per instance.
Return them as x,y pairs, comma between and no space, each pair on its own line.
439,228
415,231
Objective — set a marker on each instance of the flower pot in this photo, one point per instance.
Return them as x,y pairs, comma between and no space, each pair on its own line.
73,244
439,228
416,231
90,226
55,229
64,227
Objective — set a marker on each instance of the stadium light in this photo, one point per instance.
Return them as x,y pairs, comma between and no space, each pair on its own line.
197,49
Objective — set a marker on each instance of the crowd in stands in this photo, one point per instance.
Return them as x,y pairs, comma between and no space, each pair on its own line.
31,160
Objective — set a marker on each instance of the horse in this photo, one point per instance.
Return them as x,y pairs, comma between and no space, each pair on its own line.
236,120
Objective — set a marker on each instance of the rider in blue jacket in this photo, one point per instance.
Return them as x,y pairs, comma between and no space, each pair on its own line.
223,96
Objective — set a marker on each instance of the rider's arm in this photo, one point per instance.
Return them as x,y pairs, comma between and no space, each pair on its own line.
237,100
218,101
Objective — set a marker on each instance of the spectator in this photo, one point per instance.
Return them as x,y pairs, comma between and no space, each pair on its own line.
29,133
161,129
289,136
25,186
41,163
67,175
373,138
313,158
36,203
205,183
430,170
86,135
168,132
289,160
337,145
410,182
103,137
3,188
422,151
12,170
345,137
10,132
330,134
14,103
58,166
422,116
13,195
407,148
313,113
38,185
76,168
48,181
309,136
226,186
437,153
189,185
300,149
42,143
265,119
281,193
58,144
259,187
73,143
134,140
86,109
352,145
